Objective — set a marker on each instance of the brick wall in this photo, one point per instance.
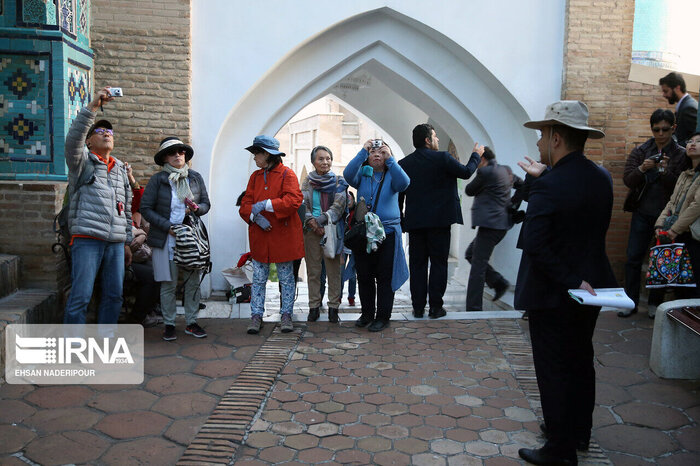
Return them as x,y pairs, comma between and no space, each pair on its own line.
26,230
144,48
597,56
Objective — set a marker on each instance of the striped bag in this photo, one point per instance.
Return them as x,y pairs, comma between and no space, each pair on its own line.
192,244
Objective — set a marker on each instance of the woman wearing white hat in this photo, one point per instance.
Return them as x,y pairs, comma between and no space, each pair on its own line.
169,195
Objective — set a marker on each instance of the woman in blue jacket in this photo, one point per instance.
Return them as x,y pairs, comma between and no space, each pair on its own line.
379,273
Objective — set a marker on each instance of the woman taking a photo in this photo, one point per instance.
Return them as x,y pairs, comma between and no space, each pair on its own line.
682,210
270,206
325,198
379,180
169,195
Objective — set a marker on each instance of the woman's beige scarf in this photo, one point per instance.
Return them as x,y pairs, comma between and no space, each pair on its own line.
179,177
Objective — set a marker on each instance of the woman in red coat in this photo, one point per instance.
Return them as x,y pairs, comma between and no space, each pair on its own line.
270,206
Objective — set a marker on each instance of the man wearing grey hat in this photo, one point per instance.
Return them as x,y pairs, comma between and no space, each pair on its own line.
563,247
99,216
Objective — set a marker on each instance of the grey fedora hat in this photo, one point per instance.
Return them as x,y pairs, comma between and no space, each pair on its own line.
572,113
266,143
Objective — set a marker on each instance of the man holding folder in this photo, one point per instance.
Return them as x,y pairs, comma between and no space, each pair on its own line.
563,243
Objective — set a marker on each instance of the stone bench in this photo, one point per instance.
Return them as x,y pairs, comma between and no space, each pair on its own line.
675,348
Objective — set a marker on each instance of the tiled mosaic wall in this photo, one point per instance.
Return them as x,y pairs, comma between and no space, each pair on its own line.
44,80
77,89
25,113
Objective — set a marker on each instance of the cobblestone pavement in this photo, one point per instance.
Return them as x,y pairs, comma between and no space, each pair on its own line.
641,418
421,392
449,392
127,424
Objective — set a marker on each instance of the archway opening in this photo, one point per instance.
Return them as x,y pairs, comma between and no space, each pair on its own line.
464,100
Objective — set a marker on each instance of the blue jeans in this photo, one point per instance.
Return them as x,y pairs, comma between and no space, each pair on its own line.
349,274
638,244
90,256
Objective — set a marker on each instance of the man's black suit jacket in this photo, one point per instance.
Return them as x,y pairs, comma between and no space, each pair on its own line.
686,120
563,235
431,198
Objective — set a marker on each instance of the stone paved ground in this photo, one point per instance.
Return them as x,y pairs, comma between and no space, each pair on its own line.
443,392
125,424
640,418
426,392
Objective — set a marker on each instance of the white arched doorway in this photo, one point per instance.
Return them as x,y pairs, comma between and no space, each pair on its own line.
466,100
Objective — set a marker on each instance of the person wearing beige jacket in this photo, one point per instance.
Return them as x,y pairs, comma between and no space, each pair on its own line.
676,221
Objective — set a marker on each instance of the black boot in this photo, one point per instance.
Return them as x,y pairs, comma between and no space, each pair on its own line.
333,315
314,313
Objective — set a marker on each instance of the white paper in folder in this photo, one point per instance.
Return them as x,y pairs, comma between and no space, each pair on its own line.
609,297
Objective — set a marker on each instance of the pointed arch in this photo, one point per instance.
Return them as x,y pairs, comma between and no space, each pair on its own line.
464,98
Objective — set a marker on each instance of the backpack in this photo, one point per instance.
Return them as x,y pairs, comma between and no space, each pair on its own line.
60,221
192,244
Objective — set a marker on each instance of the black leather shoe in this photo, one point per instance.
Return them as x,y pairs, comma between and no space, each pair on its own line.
333,315
378,325
314,313
541,457
500,290
418,314
437,313
363,322
581,444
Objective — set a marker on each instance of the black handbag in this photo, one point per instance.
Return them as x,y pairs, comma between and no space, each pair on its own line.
355,237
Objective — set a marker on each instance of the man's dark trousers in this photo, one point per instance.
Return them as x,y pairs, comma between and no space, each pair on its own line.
424,244
478,254
562,350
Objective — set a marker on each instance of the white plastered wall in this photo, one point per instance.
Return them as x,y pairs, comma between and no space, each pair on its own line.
479,70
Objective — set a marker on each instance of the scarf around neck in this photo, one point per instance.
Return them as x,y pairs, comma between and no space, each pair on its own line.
324,183
328,183
179,177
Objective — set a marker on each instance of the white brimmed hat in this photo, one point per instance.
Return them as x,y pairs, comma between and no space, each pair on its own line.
169,145
571,113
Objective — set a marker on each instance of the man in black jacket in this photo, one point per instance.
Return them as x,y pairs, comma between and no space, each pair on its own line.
673,90
651,172
563,247
432,206
491,187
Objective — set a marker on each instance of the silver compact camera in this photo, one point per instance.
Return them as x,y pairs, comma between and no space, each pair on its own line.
377,143
116,92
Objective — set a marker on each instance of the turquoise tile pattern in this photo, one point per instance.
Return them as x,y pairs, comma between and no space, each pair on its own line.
25,111
77,89
45,78
68,16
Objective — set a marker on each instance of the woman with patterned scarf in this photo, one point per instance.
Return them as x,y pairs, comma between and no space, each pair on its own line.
163,205
325,198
